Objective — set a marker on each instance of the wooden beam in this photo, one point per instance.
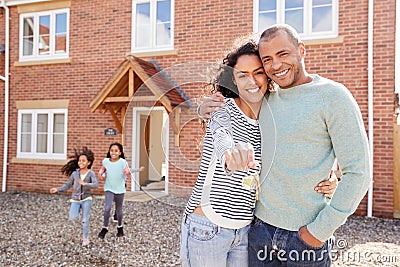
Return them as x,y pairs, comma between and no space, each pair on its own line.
119,107
116,99
145,98
131,83
122,89
177,121
117,122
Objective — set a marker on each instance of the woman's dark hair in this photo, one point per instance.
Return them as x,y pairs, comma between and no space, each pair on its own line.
120,147
223,81
72,165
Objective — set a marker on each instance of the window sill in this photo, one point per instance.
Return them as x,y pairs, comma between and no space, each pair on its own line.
39,161
172,52
43,62
337,40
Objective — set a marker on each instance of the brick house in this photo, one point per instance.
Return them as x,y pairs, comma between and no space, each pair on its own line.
89,73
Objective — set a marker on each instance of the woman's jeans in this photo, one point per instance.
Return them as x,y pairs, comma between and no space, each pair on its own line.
204,243
272,246
74,214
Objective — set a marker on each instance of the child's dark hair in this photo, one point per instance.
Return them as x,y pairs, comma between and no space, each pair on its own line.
72,165
223,82
120,147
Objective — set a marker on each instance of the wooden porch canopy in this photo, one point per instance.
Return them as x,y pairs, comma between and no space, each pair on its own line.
135,73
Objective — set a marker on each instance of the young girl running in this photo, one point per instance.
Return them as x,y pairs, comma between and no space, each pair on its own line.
114,188
220,209
132,170
83,179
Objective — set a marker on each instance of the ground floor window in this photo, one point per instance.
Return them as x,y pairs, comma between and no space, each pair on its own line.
42,133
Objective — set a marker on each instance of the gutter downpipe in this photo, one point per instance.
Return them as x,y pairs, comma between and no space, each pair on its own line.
371,101
6,80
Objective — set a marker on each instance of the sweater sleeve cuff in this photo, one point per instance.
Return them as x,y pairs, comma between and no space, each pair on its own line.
326,223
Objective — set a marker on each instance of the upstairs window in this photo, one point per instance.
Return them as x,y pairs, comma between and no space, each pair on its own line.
313,19
42,134
44,35
152,25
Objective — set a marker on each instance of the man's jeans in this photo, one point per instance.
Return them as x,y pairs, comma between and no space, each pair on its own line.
204,243
74,214
272,246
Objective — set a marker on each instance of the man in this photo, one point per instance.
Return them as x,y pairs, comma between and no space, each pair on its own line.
307,122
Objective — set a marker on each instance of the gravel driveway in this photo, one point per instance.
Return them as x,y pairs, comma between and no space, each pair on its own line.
35,231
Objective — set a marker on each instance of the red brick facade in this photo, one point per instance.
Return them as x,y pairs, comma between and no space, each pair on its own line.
100,38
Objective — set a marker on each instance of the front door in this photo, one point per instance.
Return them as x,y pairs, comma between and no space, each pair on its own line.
151,149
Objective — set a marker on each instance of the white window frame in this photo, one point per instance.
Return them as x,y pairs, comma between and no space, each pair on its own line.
153,8
52,53
33,154
307,23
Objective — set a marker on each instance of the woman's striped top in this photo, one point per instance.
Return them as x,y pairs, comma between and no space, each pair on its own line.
224,198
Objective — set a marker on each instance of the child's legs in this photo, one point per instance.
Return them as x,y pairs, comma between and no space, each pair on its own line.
109,197
207,243
74,210
238,255
86,205
119,201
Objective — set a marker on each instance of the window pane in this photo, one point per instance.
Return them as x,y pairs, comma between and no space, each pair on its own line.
61,33
143,26
44,35
265,20
58,133
58,143
61,23
41,145
265,5
294,4
322,2
143,36
322,19
26,123
42,123
26,133
163,11
163,34
163,24
28,36
295,19
143,9
26,142
58,123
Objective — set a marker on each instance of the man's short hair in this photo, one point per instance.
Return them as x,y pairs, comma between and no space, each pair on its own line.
273,30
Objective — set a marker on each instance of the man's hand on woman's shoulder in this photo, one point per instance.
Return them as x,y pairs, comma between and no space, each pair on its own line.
210,104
